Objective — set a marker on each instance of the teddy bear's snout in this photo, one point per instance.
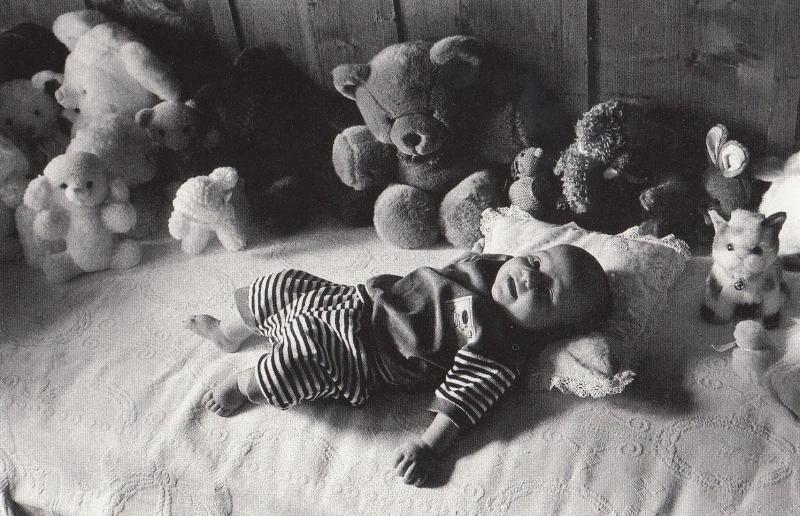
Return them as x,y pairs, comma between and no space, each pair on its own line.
417,134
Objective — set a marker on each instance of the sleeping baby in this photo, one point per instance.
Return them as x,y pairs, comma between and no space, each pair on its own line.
465,330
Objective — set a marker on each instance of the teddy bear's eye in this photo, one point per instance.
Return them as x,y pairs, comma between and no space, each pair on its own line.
77,110
37,112
84,92
162,133
730,247
63,186
757,250
89,184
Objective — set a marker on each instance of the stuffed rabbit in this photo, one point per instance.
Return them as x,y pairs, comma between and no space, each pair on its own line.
727,183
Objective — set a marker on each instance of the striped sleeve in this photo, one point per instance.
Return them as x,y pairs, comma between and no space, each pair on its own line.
471,387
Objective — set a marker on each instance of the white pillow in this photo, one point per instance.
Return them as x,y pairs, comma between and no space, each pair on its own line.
641,270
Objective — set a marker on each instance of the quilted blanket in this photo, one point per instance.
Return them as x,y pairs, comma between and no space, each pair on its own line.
100,410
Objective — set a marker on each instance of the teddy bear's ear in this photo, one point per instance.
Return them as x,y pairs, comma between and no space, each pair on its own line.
459,59
70,26
347,77
225,176
144,117
48,81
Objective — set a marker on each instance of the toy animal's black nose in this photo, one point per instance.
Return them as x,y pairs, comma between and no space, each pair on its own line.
412,139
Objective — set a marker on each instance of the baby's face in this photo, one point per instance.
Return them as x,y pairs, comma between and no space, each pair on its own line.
547,289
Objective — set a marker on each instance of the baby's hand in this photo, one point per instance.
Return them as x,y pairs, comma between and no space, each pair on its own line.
414,461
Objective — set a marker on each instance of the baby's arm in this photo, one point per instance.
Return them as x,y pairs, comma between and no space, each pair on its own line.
415,460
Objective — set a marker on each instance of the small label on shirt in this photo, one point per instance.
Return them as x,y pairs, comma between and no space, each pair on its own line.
460,312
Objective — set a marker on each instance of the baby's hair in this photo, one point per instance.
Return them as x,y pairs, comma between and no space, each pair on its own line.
601,310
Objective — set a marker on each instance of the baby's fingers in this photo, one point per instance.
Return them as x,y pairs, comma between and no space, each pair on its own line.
412,474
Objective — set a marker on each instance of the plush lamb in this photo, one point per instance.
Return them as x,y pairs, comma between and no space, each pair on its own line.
203,206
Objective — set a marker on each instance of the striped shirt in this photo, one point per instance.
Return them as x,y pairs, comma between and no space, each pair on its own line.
443,323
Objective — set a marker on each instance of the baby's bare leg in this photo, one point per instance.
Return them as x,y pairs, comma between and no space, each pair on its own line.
228,396
227,334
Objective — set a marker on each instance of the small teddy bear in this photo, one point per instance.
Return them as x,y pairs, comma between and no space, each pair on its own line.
204,206
76,201
534,188
14,167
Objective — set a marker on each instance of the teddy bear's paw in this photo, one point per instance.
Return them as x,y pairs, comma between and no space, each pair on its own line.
127,254
460,212
407,217
360,161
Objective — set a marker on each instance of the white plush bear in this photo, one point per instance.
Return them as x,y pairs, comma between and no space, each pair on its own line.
14,167
203,206
109,69
76,201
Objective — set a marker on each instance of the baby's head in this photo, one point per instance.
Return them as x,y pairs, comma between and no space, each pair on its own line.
560,289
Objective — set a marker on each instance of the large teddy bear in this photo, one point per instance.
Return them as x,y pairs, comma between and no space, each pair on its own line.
77,201
438,117
109,69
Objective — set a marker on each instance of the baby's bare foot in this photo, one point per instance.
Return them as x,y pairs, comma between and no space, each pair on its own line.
225,398
208,328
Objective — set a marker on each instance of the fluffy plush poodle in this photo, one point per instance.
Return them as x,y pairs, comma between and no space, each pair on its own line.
14,168
75,200
109,69
28,48
438,117
203,207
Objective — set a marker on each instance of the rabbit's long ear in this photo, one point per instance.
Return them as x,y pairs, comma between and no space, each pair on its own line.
733,158
716,136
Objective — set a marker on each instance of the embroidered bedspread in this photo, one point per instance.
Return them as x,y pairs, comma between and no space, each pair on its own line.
100,410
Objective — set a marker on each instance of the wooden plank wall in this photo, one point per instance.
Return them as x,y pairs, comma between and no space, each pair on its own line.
732,62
